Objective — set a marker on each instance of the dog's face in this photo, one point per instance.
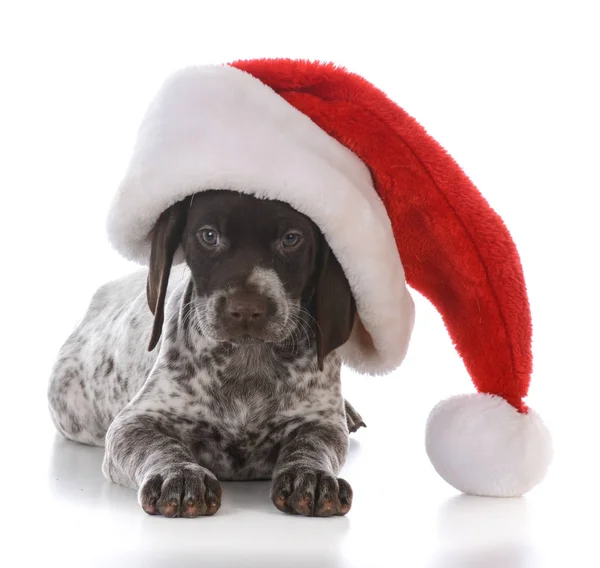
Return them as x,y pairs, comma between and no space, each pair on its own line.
253,263
260,269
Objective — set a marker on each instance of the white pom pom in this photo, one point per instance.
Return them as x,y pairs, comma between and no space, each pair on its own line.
481,445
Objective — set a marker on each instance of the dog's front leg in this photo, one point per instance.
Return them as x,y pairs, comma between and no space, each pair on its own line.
142,455
305,478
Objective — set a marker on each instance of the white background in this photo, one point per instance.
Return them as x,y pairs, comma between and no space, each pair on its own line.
510,89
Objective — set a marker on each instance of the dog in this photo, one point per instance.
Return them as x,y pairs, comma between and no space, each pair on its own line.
222,368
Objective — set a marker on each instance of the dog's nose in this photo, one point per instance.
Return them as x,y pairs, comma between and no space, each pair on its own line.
246,309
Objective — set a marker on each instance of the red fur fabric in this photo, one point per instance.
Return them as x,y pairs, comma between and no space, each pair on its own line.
455,249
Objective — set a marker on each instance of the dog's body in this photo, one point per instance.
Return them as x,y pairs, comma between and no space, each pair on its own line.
233,428
213,400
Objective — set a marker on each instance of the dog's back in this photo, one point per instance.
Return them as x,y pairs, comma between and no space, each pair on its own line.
105,361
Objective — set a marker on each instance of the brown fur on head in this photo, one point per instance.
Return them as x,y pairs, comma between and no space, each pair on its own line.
335,308
166,238
251,234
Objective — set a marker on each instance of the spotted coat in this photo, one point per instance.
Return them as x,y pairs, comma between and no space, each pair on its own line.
196,410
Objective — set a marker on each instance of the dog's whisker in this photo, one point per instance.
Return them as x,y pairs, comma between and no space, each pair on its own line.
304,312
297,327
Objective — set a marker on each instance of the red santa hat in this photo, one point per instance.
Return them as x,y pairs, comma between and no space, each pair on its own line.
395,209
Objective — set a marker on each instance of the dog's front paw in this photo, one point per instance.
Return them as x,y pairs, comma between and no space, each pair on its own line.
180,490
311,493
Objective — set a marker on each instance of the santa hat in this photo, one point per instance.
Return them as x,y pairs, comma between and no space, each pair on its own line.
395,209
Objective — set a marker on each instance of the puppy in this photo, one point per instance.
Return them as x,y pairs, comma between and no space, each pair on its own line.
235,378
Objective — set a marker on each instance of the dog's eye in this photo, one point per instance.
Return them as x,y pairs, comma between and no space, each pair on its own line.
209,237
291,239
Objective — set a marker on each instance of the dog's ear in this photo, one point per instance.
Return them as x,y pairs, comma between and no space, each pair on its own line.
166,238
335,308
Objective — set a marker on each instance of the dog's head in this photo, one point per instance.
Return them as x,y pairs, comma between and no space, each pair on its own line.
261,270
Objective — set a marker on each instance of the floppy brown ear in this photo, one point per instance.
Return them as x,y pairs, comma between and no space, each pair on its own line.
335,308
166,238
